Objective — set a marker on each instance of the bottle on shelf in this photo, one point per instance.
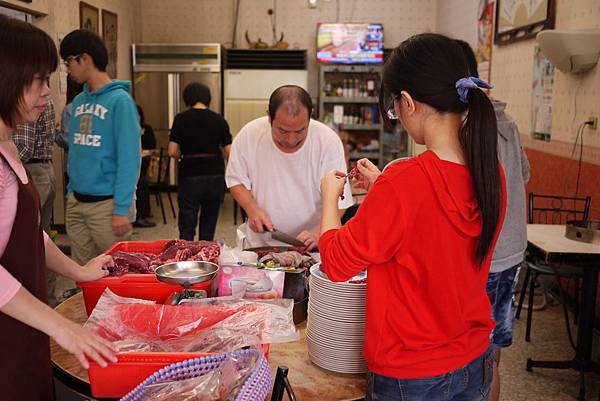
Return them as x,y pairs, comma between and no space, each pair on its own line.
371,87
368,116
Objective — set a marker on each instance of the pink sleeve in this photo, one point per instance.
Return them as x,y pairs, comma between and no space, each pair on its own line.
8,209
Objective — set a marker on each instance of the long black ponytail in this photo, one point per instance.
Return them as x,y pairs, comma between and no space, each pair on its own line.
427,66
479,139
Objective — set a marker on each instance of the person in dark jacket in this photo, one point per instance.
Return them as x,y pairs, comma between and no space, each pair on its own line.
510,249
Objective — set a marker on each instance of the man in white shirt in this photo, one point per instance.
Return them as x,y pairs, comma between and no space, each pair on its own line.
275,168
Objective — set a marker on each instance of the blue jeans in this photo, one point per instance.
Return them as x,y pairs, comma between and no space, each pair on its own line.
469,383
200,194
500,288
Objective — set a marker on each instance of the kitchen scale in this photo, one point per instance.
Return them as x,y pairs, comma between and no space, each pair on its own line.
186,274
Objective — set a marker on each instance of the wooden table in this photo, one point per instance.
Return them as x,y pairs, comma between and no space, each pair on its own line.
308,381
548,242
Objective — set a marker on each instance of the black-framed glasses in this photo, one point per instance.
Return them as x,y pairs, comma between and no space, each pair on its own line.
67,60
390,109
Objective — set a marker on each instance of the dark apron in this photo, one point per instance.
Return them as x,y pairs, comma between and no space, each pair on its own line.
25,370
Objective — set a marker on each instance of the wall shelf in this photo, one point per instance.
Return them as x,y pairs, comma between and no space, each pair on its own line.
341,99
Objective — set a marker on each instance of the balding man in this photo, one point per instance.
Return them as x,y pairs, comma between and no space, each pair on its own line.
275,168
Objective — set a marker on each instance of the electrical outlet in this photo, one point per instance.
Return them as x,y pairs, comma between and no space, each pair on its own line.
593,122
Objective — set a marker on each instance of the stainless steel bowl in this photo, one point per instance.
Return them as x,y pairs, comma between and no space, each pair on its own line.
187,273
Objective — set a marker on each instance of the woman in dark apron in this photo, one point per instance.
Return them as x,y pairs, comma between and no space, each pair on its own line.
26,322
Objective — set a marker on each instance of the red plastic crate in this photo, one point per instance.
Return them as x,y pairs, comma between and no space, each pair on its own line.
142,286
118,379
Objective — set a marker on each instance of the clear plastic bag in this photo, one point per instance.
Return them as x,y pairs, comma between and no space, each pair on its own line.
236,256
211,325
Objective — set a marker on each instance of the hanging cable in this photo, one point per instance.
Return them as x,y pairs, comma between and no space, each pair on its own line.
578,137
274,21
236,7
579,163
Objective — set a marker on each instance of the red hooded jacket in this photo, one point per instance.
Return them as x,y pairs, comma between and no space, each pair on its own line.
427,308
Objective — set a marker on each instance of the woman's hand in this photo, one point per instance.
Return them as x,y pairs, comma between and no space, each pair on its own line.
83,344
367,174
96,268
332,186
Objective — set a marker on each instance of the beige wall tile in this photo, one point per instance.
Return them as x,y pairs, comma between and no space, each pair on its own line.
212,21
576,96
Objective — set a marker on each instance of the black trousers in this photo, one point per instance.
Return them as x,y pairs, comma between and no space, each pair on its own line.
199,195
142,201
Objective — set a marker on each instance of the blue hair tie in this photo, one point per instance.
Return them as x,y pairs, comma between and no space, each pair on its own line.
464,84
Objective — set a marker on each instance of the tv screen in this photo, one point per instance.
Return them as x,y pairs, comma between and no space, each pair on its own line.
350,43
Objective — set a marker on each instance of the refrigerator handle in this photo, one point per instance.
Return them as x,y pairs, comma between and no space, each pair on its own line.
176,93
173,96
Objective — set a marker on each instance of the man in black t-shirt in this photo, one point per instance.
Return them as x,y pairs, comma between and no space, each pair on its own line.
201,140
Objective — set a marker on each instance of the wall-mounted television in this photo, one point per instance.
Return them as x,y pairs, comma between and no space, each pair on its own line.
349,43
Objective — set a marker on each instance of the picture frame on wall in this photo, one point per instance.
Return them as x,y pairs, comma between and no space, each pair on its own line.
88,17
110,36
522,19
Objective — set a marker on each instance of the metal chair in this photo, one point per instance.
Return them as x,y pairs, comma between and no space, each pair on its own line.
162,184
549,209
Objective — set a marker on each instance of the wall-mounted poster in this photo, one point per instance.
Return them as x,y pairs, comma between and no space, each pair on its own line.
109,34
521,19
88,17
542,96
485,27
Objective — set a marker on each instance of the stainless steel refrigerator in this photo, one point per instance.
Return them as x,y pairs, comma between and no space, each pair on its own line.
162,71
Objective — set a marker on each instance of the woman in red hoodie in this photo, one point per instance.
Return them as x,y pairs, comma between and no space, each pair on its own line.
425,231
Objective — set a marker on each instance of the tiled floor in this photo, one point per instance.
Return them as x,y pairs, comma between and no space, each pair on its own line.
549,339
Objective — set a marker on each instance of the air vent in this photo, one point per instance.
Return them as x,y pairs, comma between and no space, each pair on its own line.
264,59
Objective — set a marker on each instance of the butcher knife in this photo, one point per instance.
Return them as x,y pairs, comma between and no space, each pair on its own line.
286,238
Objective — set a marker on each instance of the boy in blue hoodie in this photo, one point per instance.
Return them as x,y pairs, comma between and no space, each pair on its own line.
104,150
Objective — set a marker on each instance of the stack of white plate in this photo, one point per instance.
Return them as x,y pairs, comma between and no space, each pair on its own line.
336,323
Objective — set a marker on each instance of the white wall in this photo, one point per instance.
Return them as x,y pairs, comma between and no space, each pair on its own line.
457,19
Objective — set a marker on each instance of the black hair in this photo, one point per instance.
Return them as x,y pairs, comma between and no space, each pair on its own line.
196,92
292,96
469,57
141,114
427,66
74,88
81,41
25,52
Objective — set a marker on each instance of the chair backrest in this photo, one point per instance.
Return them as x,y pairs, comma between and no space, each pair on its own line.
163,173
550,209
